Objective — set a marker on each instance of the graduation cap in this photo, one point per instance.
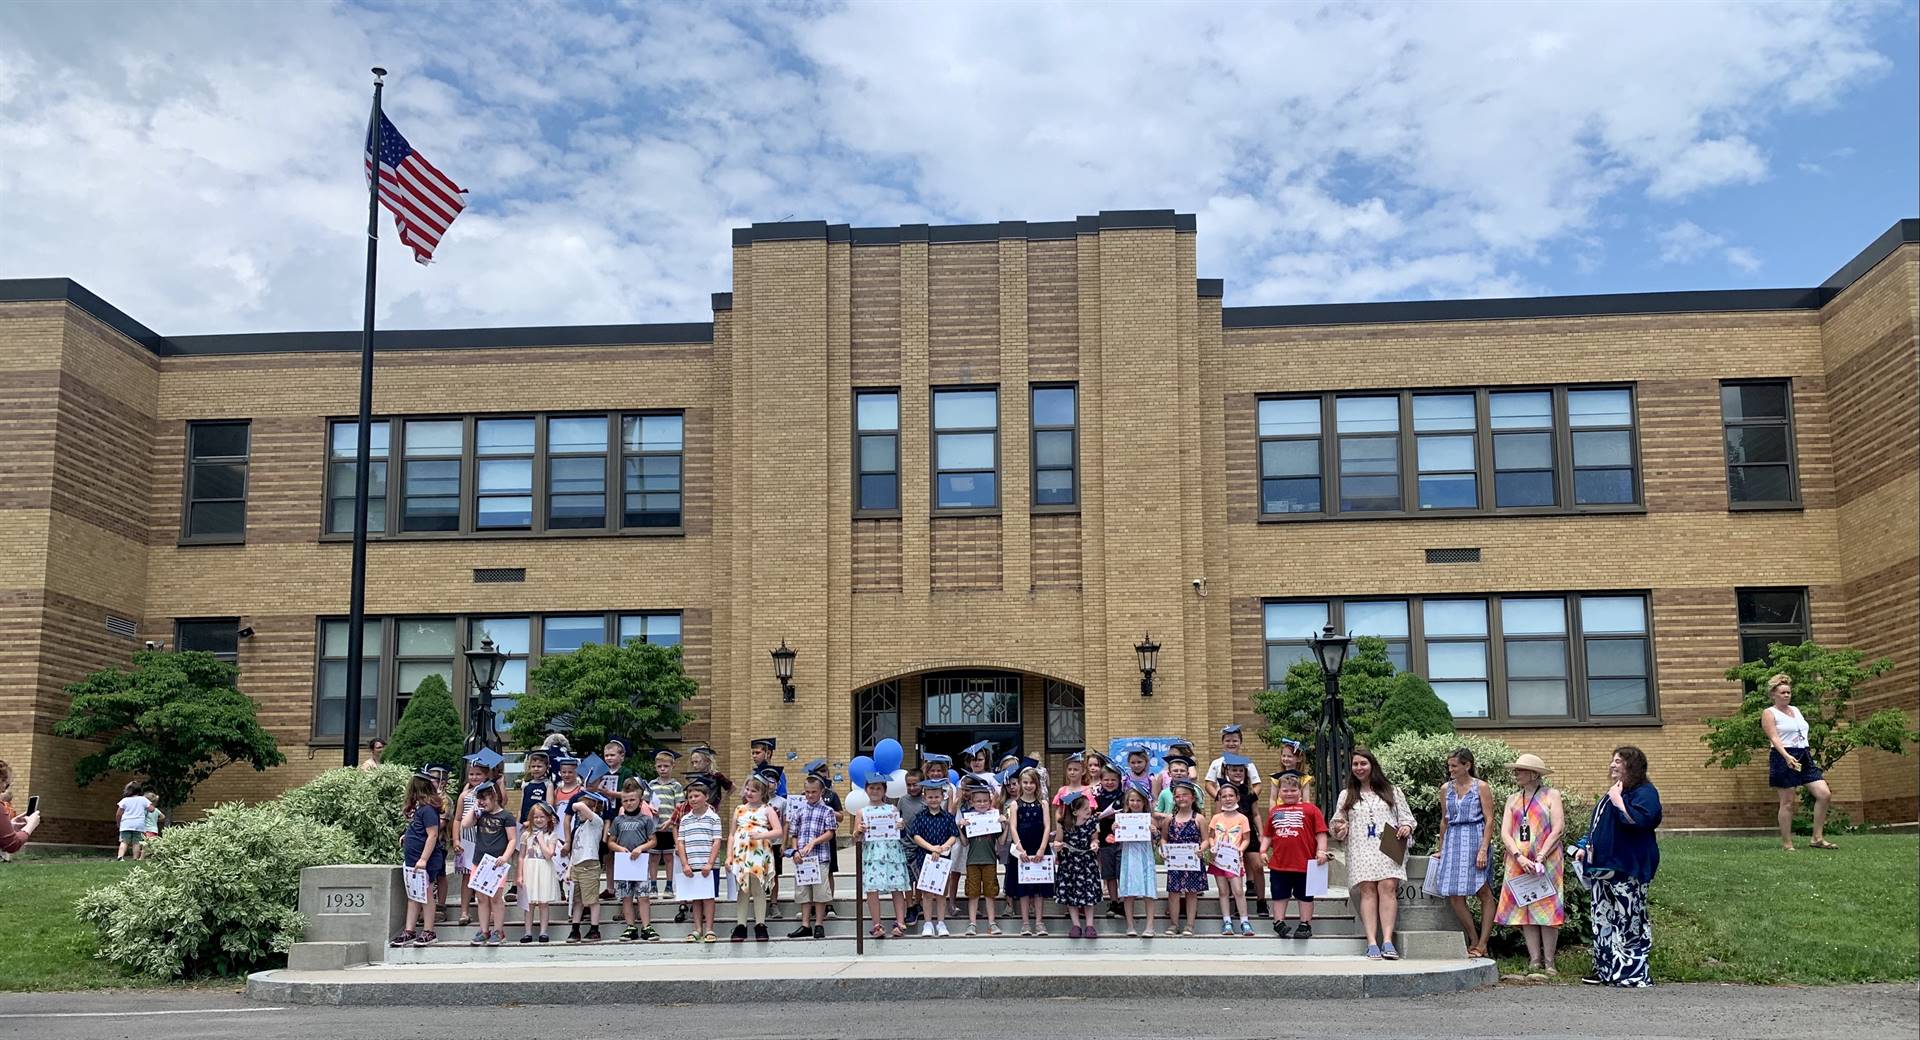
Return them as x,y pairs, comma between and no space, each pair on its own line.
1180,742
1227,731
1109,767
700,749
1186,760
1139,785
764,742
486,758
537,753
816,766
1285,774
945,760
594,796
934,782
1077,756
564,759
1068,798
703,782
771,774
1235,760
1292,743
483,788
1188,784
981,748
667,751
440,771
592,768
1139,749
621,743
424,772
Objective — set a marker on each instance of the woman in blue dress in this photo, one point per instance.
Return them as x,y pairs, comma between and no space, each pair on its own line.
1459,866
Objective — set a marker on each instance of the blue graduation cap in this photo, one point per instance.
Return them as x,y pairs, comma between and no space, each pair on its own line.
1284,773
1188,784
981,748
563,759
1292,743
1140,749
486,758
1077,756
1227,731
816,765
621,743
1187,759
424,772
591,796
935,783
592,768
945,760
1180,742
538,753
1067,799
1235,760
667,751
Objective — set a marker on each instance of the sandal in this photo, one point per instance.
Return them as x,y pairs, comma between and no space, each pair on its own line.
1822,844
897,933
876,932
1476,952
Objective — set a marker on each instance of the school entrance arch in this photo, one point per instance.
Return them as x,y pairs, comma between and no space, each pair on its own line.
943,710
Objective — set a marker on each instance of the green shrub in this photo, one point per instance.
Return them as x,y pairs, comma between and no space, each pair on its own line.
603,690
366,804
428,732
1292,710
215,897
1417,764
1411,706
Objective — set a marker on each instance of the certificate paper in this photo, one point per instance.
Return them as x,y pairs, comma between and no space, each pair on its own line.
689,887
626,868
1316,879
807,872
1530,888
1133,826
1037,871
1183,857
933,874
980,824
488,875
417,887
1227,858
882,822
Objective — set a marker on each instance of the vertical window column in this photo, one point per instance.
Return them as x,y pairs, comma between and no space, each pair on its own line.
503,474
651,449
1533,631
876,451
430,474
1602,425
1523,450
330,707
1290,456
1368,430
1614,631
1769,616
514,638
577,473
1287,627
1443,434
1456,631
1759,432
422,647
1056,448
966,450
216,499
343,450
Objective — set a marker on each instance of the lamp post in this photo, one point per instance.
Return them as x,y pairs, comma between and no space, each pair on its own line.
1333,738
783,670
483,665
1149,652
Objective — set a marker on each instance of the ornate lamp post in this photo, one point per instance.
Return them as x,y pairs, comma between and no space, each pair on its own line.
483,666
1333,738
783,670
1149,652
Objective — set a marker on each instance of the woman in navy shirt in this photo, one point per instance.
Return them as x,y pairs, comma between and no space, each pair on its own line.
1619,858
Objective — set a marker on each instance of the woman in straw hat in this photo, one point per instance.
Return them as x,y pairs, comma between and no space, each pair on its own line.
1530,832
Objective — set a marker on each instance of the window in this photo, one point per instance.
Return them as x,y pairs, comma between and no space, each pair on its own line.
1066,716
1769,616
512,636
651,449
564,635
876,451
330,699
1472,452
422,647
503,474
430,474
1290,456
343,449
1525,659
577,473
876,716
1443,434
1369,435
216,506
966,449
1056,448
1760,456
217,636
972,700
658,629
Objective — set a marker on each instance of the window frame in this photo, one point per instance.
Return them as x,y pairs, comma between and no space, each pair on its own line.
1052,707
1744,630
232,658
187,499
472,460
1499,717
613,525
1034,429
1560,435
544,457
1794,500
1319,437
328,493
860,509
934,431
862,698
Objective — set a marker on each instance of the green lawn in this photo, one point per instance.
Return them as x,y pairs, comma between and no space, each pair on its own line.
1741,910
47,948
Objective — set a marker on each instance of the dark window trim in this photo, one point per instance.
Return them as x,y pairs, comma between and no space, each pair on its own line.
860,512
933,450
1034,430
1794,500
544,457
1795,633
186,485
613,526
534,457
1496,640
231,658
1562,442
860,712
328,461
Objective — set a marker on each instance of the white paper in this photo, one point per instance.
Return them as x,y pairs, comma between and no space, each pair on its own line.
689,887
1531,888
807,872
1316,879
933,874
418,884
981,824
1184,856
1037,871
466,857
882,823
1133,826
566,891
626,868
1227,858
488,875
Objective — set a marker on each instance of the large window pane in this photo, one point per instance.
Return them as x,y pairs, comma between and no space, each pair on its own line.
1617,697
1603,486
1537,697
966,450
659,629
438,439
1464,700
1537,657
1053,448
1454,617
1445,453
960,409
1608,448
1456,660
502,476
1294,495
1364,455
1523,410
1443,412
423,638
1616,656
652,432
510,635
878,411
1297,418
1760,483
879,492
1290,621
1053,487
1384,618
1744,401
1290,458
1367,414
879,453
1599,408
967,491
496,436
564,635
1750,444
1613,614
1772,607
966,463
1522,489
1533,616
1053,406
581,434
1523,450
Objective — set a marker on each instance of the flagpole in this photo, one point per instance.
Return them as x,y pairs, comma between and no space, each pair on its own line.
357,598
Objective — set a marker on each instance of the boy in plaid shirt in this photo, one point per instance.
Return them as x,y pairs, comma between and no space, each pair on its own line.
811,824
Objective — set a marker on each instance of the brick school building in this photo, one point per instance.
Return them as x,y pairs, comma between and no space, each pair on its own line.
963,471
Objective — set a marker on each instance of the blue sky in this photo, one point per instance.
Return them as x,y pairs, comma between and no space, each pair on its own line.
198,164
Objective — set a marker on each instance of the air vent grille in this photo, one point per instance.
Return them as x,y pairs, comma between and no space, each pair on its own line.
1453,555
499,575
122,627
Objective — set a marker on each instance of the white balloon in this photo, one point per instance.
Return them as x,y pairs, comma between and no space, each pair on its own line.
897,784
856,800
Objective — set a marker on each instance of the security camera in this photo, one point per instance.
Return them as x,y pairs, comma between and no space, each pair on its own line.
153,644
1200,586
246,630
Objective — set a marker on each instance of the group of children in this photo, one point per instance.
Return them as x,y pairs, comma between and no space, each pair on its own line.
580,838
140,818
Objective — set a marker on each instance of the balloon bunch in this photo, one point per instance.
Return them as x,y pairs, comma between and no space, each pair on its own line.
884,764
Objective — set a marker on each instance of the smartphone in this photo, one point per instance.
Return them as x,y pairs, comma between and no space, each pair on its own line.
33,804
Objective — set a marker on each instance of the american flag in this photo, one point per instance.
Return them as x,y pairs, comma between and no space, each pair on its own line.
423,200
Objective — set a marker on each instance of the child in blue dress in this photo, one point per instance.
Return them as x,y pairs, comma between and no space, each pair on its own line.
1136,860
1032,828
883,863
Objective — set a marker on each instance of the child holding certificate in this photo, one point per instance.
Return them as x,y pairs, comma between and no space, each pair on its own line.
933,833
1032,829
1184,883
629,842
1136,856
494,833
539,882
422,850
883,860
697,851
1076,880
1296,834
1230,830
983,863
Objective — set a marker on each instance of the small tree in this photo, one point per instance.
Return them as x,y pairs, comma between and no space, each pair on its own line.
607,690
174,720
1824,679
1411,707
428,732
1366,680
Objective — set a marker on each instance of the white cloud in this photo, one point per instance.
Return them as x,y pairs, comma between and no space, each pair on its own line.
199,164
1686,242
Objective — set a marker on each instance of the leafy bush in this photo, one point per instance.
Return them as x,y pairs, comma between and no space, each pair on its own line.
1411,707
1292,710
1417,764
218,896
367,805
603,691
428,732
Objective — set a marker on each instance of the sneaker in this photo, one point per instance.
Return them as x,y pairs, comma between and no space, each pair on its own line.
819,931
801,932
913,915
926,930
629,934
1594,980
1387,951
1246,926
1226,926
426,938
831,912
680,915
760,933
497,938
543,937
971,931
593,934
1305,931
403,939
573,937
739,933
648,934
1114,909
940,929
1282,929
479,939
994,929
1373,952
527,938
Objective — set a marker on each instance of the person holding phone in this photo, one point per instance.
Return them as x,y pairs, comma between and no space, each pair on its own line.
15,830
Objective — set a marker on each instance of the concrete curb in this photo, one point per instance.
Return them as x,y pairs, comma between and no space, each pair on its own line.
390,991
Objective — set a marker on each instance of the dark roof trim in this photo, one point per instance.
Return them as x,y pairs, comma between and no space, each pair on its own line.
1210,288
1901,233
21,290
1051,230
723,301
446,339
1401,312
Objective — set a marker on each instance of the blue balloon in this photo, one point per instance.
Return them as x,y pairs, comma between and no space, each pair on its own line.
859,770
887,756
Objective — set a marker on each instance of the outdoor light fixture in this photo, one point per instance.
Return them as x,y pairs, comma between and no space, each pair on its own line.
1149,652
1333,739
783,670
483,666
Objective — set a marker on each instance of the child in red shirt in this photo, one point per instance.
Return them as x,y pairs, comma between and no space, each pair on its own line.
1295,832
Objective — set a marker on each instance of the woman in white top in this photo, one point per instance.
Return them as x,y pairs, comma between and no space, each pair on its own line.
1790,763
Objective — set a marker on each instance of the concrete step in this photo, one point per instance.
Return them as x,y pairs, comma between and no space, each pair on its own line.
447,953
844,927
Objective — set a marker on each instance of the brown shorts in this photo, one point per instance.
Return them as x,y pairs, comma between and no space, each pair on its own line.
584,874
983,881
